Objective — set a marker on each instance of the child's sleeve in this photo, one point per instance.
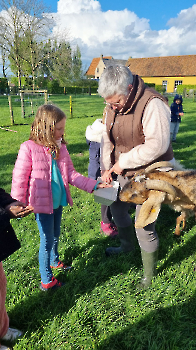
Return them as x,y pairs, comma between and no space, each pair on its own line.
78,180
21,174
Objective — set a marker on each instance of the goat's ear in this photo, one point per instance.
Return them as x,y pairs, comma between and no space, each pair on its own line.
150,209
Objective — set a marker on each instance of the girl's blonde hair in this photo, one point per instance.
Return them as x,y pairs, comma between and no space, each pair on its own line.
43,127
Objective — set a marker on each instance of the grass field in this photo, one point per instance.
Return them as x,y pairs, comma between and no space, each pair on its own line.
99,307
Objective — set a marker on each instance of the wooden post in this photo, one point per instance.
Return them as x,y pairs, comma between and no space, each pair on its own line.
32,112
70,106
46,96
22,104
11,111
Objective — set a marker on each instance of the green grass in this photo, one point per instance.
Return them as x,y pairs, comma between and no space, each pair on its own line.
82,107
100,307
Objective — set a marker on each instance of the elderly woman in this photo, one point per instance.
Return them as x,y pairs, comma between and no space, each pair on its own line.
137,134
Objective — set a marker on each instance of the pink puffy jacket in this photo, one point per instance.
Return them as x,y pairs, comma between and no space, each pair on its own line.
31,181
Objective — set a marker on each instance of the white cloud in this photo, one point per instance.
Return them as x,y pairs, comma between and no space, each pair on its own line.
122,34
185,18
77,6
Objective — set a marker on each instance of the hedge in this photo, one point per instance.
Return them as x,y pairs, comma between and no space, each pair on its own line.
3,85
181,88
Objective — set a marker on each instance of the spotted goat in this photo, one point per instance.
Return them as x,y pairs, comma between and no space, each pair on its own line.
162,183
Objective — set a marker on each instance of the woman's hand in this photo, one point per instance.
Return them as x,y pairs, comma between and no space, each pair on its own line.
106,176
18,209
116,169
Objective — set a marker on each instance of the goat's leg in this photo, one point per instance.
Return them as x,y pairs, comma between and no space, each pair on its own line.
178,228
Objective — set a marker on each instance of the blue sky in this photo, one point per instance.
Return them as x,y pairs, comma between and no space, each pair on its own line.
158,12
125,28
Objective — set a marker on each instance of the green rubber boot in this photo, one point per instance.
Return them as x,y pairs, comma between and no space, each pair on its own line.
149,264
126,236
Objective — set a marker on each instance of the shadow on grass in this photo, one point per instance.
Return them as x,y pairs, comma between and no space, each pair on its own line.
180,253
76,148
93,269
167,328
7,159
6,162
167,240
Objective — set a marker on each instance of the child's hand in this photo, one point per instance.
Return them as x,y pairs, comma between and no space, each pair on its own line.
18,209
103,185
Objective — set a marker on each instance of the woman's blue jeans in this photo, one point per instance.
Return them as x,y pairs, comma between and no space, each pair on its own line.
49,229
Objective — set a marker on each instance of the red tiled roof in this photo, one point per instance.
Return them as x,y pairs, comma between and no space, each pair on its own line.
184,65
94,63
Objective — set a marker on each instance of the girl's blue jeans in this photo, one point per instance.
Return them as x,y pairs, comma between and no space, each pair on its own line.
49,229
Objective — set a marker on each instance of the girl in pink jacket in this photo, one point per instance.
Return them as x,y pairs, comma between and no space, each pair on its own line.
41,178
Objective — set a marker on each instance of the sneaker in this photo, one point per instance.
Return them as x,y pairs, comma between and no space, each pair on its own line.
12,334
109,229
54,284
62,266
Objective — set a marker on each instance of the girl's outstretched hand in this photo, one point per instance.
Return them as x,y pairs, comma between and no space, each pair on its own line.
103,185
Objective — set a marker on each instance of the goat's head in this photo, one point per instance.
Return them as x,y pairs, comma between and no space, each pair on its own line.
150,193
137,189
134,191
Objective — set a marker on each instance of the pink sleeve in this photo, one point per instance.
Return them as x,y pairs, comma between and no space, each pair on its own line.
21,174
78,180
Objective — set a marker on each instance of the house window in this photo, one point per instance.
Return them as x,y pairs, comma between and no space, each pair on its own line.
164,83
97,70
177,82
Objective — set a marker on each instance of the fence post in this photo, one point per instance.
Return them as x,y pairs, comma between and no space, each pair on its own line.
22,104
70,106
11,111
32,112
46,96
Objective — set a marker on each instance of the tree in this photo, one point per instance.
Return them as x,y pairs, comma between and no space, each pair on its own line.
5,64
62,62
77,64
45,67
22,24
62,65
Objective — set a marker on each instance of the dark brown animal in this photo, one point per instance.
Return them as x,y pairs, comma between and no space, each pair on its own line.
161,183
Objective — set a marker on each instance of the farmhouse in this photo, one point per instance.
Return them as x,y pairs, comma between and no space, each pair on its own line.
169,71
98,65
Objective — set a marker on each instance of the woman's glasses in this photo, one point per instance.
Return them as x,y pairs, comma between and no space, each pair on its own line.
113,104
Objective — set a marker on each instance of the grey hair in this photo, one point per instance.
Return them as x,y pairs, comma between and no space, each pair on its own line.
115,80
